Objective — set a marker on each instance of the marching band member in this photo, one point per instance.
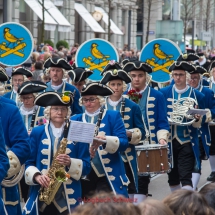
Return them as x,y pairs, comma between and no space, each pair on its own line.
31,114
184,139
116,79
4,166
18,146
56,67
153,109
19,75
108,172
205,139
211,177
28,92
79,77
46,143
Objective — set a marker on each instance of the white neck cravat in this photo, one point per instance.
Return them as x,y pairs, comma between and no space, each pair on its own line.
92,114
57,132
27,111
114,103
55,88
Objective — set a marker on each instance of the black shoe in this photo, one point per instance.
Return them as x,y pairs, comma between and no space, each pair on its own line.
211,177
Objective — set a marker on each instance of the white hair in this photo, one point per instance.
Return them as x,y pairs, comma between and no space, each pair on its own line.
101,100
187,75
34,94
47,71
47,112
2,89
124,85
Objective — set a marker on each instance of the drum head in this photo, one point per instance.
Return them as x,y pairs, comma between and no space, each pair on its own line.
150,146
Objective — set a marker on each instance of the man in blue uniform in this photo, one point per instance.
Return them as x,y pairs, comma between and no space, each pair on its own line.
56,68
153,108
204,134
108,172
116,79
19,75
184,147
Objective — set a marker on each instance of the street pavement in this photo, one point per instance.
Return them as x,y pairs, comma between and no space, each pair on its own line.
159,187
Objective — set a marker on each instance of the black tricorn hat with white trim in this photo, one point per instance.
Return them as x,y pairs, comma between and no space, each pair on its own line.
57,62
79,74
111,66
182,65
137,66
29,87
212,65
3,75
96,88
199,69
116,75
188,57
22,71
51,98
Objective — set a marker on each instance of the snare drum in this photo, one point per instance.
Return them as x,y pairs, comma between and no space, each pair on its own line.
152,158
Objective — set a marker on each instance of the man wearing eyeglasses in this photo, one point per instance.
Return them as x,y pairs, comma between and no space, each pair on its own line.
19,76
206,141
108,172
184,148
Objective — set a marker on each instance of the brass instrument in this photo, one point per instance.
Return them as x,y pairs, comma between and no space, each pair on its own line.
180,108
10,182
56,172
8,88
206,75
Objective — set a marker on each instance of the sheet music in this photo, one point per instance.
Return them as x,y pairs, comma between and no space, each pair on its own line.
81,132
201,112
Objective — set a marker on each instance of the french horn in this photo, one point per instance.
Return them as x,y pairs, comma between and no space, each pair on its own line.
14,180
179,115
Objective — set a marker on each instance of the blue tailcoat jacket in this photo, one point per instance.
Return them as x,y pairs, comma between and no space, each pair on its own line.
193,131
40,161
156,117
109,155
75,107
204,129
132,120
4,166
18,147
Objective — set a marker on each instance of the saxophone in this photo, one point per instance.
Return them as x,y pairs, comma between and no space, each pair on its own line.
56,172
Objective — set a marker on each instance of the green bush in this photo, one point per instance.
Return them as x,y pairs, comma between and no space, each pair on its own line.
49,42
62,43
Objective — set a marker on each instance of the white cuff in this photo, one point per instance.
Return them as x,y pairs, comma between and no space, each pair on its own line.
15,165
163,134
136,136
29,175
75,170
208,116
112,144
197,124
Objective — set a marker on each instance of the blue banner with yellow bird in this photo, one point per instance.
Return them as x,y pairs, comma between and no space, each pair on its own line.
95,54
160,54
16,44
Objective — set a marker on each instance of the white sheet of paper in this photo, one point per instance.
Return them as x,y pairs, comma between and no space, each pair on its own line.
201,112
81,132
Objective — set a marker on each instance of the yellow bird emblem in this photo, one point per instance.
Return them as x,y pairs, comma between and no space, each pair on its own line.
160,54
10,37
97,54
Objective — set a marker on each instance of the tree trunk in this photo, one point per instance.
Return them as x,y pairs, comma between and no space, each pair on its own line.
43,22
148,20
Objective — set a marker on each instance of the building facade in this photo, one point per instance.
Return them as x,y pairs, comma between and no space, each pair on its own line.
80,31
